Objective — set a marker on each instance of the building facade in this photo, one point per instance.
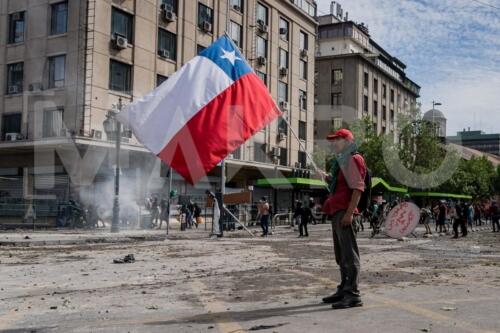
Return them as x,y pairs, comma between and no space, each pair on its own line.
65,64
478,140
356,78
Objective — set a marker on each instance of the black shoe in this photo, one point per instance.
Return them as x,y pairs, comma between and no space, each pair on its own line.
347,302
337,297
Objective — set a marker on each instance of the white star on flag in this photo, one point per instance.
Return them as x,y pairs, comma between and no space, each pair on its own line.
231,56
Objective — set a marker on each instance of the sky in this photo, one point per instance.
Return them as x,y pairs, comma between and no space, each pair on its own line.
451,49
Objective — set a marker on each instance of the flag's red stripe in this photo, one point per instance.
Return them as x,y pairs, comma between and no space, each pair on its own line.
220,127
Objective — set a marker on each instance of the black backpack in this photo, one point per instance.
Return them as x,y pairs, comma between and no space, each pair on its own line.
366,196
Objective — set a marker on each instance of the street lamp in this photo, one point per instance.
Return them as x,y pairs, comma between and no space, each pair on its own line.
113,129
434,104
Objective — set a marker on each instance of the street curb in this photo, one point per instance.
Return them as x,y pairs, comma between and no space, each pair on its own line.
98,240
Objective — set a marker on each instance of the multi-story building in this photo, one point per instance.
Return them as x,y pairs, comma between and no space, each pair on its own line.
356,78
478,140
64,64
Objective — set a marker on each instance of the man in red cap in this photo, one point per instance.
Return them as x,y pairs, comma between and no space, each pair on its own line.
346,184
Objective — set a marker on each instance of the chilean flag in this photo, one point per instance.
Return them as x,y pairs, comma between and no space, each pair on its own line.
203,112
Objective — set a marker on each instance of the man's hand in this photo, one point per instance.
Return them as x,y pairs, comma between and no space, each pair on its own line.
347,219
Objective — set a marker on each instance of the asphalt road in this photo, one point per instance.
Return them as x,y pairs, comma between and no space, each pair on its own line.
190,283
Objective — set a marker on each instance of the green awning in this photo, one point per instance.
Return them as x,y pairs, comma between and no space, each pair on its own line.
440,195
379,181
292,182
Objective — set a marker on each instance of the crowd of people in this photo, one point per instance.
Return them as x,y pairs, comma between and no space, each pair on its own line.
466,216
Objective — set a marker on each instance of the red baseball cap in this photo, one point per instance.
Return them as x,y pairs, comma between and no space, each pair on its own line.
341,133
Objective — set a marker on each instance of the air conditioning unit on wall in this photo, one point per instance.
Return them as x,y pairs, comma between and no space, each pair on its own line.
120,42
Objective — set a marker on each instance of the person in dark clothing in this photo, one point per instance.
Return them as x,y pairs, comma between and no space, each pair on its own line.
163,212
196,214
461,220
495,216
346,184
305,214
441,219
477,215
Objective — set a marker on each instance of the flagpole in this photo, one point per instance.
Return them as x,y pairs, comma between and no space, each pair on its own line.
223,162
315,166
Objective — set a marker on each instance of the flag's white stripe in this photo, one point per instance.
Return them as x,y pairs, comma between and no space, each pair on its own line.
158,116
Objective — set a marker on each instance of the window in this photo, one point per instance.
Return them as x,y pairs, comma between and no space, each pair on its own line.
337,99
237,153
365,103
167,44
392,115
337,76
283,156
236,33
262,76
284,29
261,13
392,95
120,76
261,47
283,63
11,123
282,126
237,5
57,71
160,79
365,80
384,91
205,15
122,24
375,109
59,18
375,85
16,27
302,130
15,78
303,69
260,152
199,49
170,5
304,41
303,100
302,159
52,122
282,92
384,112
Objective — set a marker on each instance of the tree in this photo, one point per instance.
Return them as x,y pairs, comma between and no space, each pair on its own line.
475,177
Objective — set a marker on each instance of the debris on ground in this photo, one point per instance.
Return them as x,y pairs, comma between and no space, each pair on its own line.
152,307
128,259
447,308
266,327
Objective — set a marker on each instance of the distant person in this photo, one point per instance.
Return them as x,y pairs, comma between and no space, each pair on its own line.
441,216
197,214
477,215
461,220
164,212
264,215
495,216
190,213
154,211
470,216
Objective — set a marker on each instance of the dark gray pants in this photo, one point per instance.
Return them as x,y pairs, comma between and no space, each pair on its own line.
346,255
